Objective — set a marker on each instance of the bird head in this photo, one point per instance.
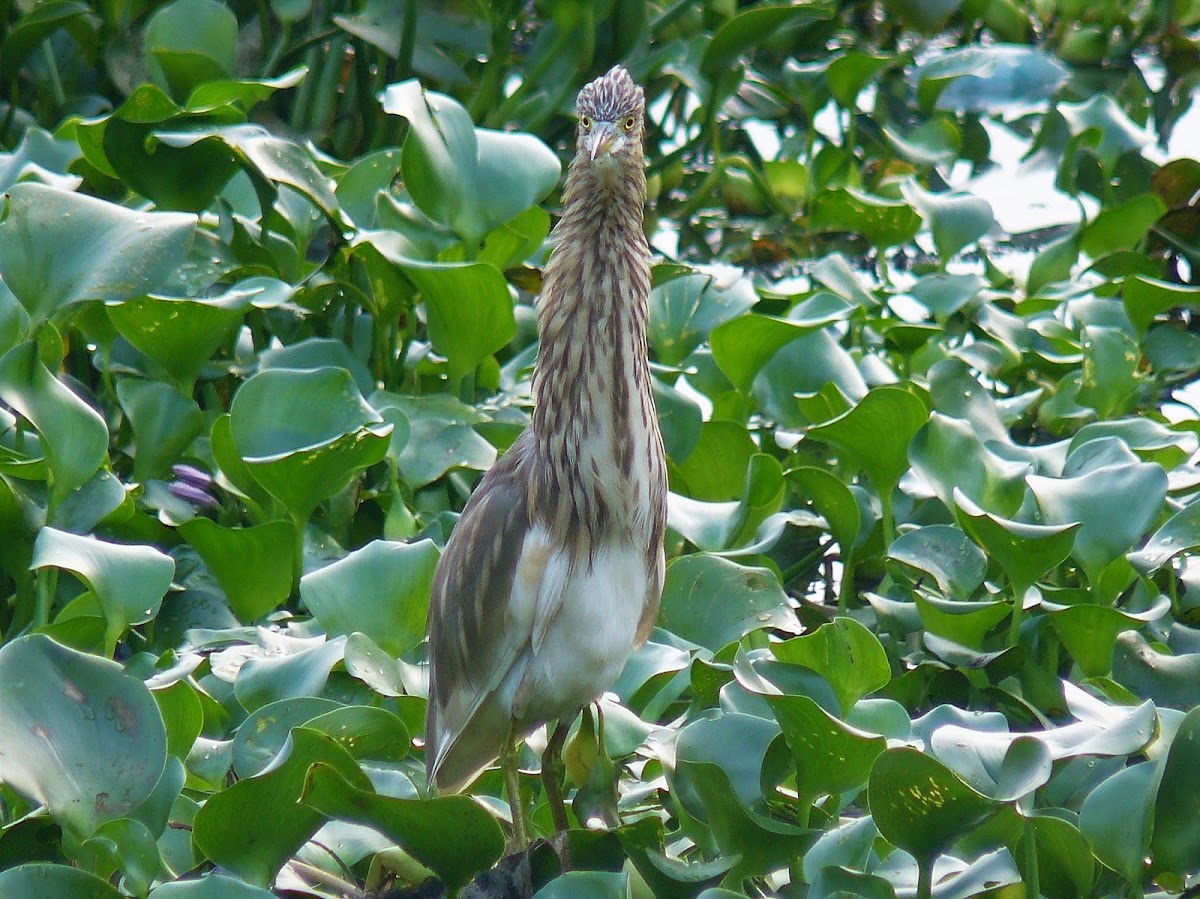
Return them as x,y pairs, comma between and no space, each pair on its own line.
612,112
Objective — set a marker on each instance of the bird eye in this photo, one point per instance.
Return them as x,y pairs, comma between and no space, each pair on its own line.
585,123
629,123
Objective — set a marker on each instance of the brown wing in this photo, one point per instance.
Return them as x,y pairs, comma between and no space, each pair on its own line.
472,644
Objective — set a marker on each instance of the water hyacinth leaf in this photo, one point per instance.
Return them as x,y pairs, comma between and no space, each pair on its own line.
381,589
268,160
181,334
716,468
1115,133
126,847
301,672
470,179
1024,551
74,437
874,435
1110,370
1146,298
884,222
1089,632
318,352
265,731
440,438
679,418
59,248
39,23
77,733
212,885
945,552
1180,533
451,835
814,367
469,306
752,25
926,16
831,756
358,189
305,434
951,455
845,653
189,42
1175,844
228,827
43,880
254,566
743,345
684,310
836,504
955,220
164,422
1121,227
586,885
1113,504
182,714
992,78
920,805
128,581
713,602
740,829
1066,867
1170,680
1117,817
852,71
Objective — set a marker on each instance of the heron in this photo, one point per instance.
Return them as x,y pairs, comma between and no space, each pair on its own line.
554,571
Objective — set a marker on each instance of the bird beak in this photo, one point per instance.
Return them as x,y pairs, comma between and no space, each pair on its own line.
602,140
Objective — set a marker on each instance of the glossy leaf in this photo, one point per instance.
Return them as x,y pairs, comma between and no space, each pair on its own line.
381,589
129,582
451,835
845,653
714,602
77,733
227,827
59,248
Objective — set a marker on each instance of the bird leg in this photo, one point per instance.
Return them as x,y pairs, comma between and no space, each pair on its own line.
552,775
512,785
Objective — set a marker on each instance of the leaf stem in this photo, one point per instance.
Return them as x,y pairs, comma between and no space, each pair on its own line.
1033,885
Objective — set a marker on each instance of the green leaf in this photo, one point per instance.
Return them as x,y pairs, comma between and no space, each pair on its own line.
944,552
884,222
1170,680
1175,844
1146,298
586,885
77,733
129,582
1066,867
74,438
684,310
920,805
956,220
831,757
37,24
254,566
716,468
714,602
1114,504
751,26
228,828
845,653
451,835
874,435
1121,227
1180,533
469,305
212,885
381,589
1110,370
1089,632
679,419
468,178
836,504
743,345
189,42
181,334
164,422
305,434
1026,552
301,668
440,437
1117,817
43,880
265,731
59,248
